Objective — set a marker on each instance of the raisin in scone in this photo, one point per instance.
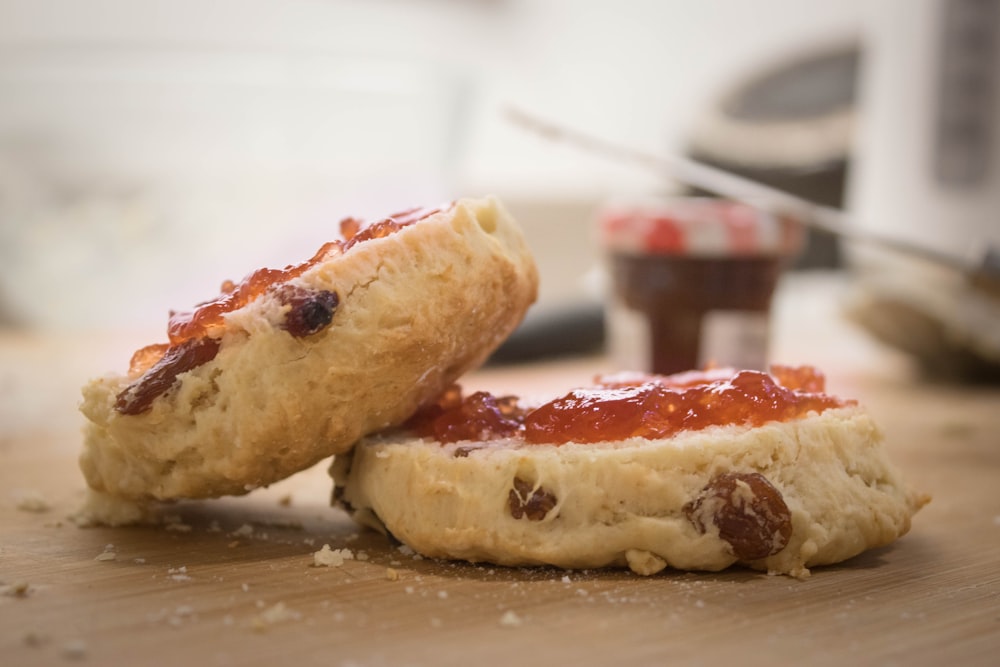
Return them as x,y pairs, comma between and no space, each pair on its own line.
697,471
291,366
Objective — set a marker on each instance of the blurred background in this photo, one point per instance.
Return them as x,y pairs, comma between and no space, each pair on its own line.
150,149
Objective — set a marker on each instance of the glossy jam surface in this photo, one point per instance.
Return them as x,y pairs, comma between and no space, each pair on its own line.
644,406
480,416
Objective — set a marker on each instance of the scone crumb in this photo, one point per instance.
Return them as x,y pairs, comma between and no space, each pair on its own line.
109,553
75,649
175,523
246,530
276,613
180,615
644,562
32,501
327,557
391,574
510,619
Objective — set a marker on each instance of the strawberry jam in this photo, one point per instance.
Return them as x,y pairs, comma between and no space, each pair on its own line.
481,416
139,396
646,406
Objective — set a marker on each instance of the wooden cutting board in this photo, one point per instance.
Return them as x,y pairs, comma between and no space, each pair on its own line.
232,582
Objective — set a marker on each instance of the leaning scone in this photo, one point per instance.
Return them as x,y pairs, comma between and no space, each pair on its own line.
291,366
689,472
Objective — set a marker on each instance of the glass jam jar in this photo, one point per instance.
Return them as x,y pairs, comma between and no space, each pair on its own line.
691,282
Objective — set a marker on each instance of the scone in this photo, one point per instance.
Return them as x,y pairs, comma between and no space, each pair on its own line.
697,471
291,366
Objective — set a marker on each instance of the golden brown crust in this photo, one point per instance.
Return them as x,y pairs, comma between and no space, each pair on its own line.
416,310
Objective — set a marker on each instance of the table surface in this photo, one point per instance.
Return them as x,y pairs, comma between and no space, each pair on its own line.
232,581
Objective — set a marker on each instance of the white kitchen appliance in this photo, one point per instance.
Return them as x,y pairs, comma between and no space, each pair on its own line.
926,167
926,163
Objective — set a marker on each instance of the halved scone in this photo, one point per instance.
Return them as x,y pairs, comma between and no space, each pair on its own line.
291,366
713,470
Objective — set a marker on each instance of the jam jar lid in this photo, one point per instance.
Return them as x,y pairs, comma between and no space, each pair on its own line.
697,226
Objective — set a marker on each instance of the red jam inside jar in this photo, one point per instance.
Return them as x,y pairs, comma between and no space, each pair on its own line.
692,281
642,406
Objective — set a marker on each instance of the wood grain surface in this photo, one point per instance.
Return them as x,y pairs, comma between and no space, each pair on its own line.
233,581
